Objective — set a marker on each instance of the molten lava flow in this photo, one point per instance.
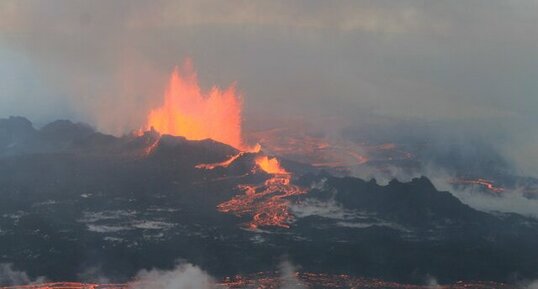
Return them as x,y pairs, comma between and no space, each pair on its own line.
149,149
265,203
195,114
482,182
223,164
226,163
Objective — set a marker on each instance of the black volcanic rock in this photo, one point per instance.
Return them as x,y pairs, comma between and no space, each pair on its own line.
16,125
17,135
15,129
65,130
416,203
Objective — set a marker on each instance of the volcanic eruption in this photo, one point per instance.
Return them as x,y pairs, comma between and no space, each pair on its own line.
195,114
190,112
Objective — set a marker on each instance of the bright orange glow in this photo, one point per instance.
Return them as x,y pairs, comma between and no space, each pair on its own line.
223,164
270,165
481,182
149,149
298,145
267,204
195,114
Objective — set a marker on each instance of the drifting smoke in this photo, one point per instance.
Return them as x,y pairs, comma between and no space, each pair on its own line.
93,274
510,202
327,209
11,277
532,285
470,161
183,276
431,282
188,276
105,62
288,277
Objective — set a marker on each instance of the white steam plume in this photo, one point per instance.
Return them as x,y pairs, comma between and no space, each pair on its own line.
11,277
288,277
183,276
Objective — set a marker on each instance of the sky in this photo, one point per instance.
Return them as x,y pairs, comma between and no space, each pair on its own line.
107,62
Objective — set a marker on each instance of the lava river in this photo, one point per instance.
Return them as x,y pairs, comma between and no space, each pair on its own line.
265,203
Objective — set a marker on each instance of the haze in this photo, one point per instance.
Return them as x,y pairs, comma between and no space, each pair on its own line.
469,65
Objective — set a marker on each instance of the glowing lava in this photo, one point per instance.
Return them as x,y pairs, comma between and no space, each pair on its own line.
481,182
298,145
267,204
149,149
270,165
195,114
223,164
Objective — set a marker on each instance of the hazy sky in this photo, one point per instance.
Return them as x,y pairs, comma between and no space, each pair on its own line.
107,62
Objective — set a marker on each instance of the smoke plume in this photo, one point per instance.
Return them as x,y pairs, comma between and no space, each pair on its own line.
288,277
183,276
11,277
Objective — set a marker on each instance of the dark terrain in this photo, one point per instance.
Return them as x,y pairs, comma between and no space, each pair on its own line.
75,201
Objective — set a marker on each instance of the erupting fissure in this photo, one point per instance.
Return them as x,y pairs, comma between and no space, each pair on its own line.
216,114
195,114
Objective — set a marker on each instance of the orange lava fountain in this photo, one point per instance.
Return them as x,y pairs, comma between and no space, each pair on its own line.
195,114
270,165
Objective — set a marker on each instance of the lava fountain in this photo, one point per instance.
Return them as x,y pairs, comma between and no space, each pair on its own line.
216,114
195,114
270,165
